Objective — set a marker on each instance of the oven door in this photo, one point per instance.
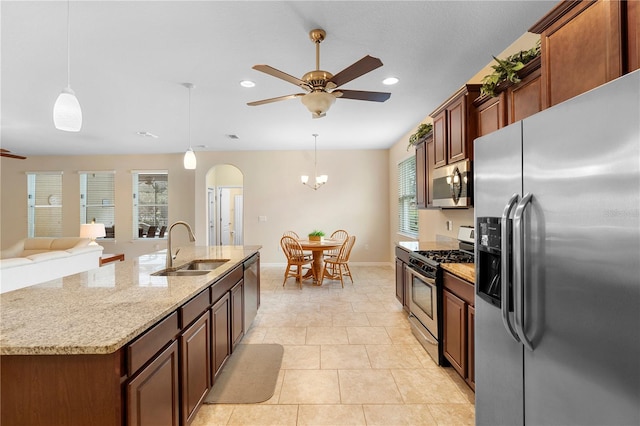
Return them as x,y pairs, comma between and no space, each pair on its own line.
423,300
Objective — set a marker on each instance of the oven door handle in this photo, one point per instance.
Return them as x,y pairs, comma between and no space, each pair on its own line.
505,264
518,260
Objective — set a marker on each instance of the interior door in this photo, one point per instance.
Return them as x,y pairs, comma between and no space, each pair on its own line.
211,200
225,216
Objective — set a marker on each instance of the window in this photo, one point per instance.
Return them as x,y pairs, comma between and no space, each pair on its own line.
150,203
97,199
44,204
407,211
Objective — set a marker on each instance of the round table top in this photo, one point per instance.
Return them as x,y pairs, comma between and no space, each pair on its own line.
326,244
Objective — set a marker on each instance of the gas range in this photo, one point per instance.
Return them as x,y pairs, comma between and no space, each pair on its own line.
428,261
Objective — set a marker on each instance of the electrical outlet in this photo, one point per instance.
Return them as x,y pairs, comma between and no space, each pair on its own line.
262,218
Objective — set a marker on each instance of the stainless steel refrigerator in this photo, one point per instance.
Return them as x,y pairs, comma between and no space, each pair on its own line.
557,313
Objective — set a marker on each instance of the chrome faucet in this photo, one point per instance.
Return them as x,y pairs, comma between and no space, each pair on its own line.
170,256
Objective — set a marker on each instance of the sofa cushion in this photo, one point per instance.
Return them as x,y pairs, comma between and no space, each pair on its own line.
38,244
65,243
49,255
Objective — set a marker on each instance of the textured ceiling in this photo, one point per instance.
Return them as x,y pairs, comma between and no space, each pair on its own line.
129,58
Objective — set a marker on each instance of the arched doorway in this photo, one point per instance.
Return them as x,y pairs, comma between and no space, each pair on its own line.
225,211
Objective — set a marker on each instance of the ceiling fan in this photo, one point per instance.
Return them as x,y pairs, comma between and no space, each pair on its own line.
7,153
321,87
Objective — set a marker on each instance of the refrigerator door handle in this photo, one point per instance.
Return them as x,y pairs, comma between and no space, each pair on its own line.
505,277
518,267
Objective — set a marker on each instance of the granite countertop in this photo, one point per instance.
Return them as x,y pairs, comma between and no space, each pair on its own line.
466,271
101,310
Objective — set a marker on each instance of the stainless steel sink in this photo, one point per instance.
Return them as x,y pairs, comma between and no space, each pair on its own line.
204,264
180,273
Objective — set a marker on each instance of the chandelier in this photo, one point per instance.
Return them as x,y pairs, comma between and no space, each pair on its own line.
319,180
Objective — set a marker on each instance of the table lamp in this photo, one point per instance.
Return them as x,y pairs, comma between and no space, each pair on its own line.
92,231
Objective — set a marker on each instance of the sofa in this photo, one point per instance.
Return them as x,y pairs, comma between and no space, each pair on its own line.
36,260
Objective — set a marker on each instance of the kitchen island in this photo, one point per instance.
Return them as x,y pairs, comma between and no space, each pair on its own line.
118,345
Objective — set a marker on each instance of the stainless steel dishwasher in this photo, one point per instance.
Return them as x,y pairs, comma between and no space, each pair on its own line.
251,290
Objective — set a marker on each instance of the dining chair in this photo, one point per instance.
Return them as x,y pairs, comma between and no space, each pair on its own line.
296,259
340,235
151,232
339,266
163,229
291,234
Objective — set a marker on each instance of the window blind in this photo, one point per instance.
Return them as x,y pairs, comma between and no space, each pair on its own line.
407,210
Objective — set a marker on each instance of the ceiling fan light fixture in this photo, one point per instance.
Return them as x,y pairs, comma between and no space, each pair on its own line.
67,114
318,103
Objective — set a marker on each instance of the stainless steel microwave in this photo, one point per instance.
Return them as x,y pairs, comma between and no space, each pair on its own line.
453,185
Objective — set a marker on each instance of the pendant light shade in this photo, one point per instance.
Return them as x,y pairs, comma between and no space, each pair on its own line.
67,114
189,159
189,156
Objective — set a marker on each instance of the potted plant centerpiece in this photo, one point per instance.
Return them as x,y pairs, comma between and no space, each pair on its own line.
316,236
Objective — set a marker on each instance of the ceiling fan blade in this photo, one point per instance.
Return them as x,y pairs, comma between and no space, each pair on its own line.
281,75
6,154
363,66
279,98
362,95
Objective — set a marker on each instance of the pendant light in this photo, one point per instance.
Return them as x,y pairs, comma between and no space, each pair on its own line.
319,180
67,114
189,156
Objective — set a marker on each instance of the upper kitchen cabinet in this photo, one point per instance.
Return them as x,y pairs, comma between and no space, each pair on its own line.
633,35
424,170
582,44
454,127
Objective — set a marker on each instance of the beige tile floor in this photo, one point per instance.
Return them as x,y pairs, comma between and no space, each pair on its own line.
350,359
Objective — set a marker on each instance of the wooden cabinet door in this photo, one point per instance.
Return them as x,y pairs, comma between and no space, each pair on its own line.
430,165
421,175
491,114
581,45
220,340
152,395
237,313
440,139
400,280
195,360
456,123
455,331
471,347
525,98
633,35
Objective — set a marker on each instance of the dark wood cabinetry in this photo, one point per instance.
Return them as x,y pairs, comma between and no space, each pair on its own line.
424,170
237,314
633,35
153,394
458,326
195,378
582,47
402,284
491,113
221,342
454,127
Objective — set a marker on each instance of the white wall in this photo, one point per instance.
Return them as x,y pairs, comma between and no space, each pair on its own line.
355,198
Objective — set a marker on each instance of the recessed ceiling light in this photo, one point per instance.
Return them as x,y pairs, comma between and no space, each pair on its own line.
147,134
390,81
232,136
247,83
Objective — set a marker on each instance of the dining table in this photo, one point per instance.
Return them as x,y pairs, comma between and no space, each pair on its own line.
317,249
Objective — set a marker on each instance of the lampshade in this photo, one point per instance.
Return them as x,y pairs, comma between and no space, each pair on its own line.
67,114
92,231
318,103
189,159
